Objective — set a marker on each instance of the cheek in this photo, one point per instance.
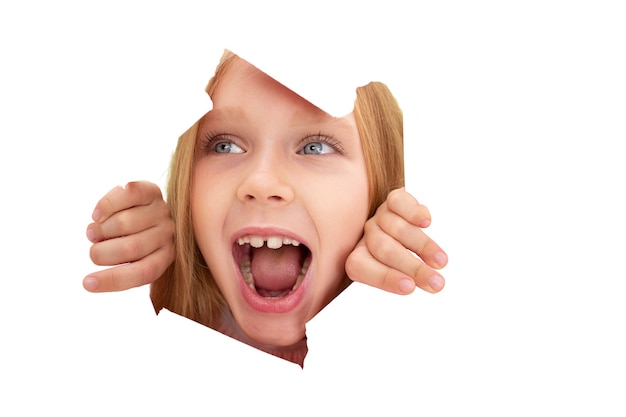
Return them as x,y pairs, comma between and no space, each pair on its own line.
206,210
354,196
350,221
208,191
207,215
343,208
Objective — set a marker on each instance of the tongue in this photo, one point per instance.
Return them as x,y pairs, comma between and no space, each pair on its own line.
275,269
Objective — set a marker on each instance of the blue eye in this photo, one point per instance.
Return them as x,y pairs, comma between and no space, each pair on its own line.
320,144
316,148
226,147
220,143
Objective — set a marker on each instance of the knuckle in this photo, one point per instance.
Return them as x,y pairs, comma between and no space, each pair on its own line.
427,246
387,279
352,266
164,209
395,198
148,272
394,226
384,252
170,226
167,233
418,271
134,190
131,248
171,253
149,187
121,224
145,191
156,191
117,279
370,227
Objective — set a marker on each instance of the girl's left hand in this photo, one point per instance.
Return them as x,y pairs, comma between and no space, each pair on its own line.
395,254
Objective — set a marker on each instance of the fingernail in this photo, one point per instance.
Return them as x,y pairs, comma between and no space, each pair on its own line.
441,258
90,283
436,282
406,286
96,215
91,235
425,223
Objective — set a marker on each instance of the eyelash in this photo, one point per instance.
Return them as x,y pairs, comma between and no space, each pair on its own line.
325,139
211,138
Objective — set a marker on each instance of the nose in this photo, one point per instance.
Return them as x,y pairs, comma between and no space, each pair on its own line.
267,181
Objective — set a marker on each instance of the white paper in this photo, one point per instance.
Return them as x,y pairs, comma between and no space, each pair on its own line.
513,129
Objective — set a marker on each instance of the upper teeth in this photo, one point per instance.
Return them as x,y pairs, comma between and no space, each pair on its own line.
273,242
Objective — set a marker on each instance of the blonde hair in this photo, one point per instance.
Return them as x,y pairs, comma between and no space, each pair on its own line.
188,287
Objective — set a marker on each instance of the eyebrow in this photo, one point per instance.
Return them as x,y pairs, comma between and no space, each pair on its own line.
298,119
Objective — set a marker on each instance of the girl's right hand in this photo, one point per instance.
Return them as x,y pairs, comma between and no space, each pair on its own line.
133,232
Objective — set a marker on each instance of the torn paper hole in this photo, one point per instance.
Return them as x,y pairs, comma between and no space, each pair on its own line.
279,191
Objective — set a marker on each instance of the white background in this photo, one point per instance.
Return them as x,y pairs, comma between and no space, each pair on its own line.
515,120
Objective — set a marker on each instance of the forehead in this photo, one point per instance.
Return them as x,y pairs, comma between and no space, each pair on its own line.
242,86
244,79
238,115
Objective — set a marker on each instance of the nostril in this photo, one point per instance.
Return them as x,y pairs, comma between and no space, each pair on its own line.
250,197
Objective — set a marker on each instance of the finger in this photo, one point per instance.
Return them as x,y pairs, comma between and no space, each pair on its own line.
129,221
130,275
92,233
393,254
362,267
137,193
410,236
400,202
129,248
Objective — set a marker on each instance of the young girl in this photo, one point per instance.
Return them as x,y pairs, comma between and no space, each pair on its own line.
269,196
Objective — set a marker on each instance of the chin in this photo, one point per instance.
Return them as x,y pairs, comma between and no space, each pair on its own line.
275,320
274,331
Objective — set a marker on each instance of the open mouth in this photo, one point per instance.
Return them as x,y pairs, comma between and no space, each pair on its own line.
272,266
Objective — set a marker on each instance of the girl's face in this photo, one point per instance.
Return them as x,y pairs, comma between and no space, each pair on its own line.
279,199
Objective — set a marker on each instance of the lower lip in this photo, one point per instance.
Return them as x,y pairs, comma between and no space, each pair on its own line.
273,305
